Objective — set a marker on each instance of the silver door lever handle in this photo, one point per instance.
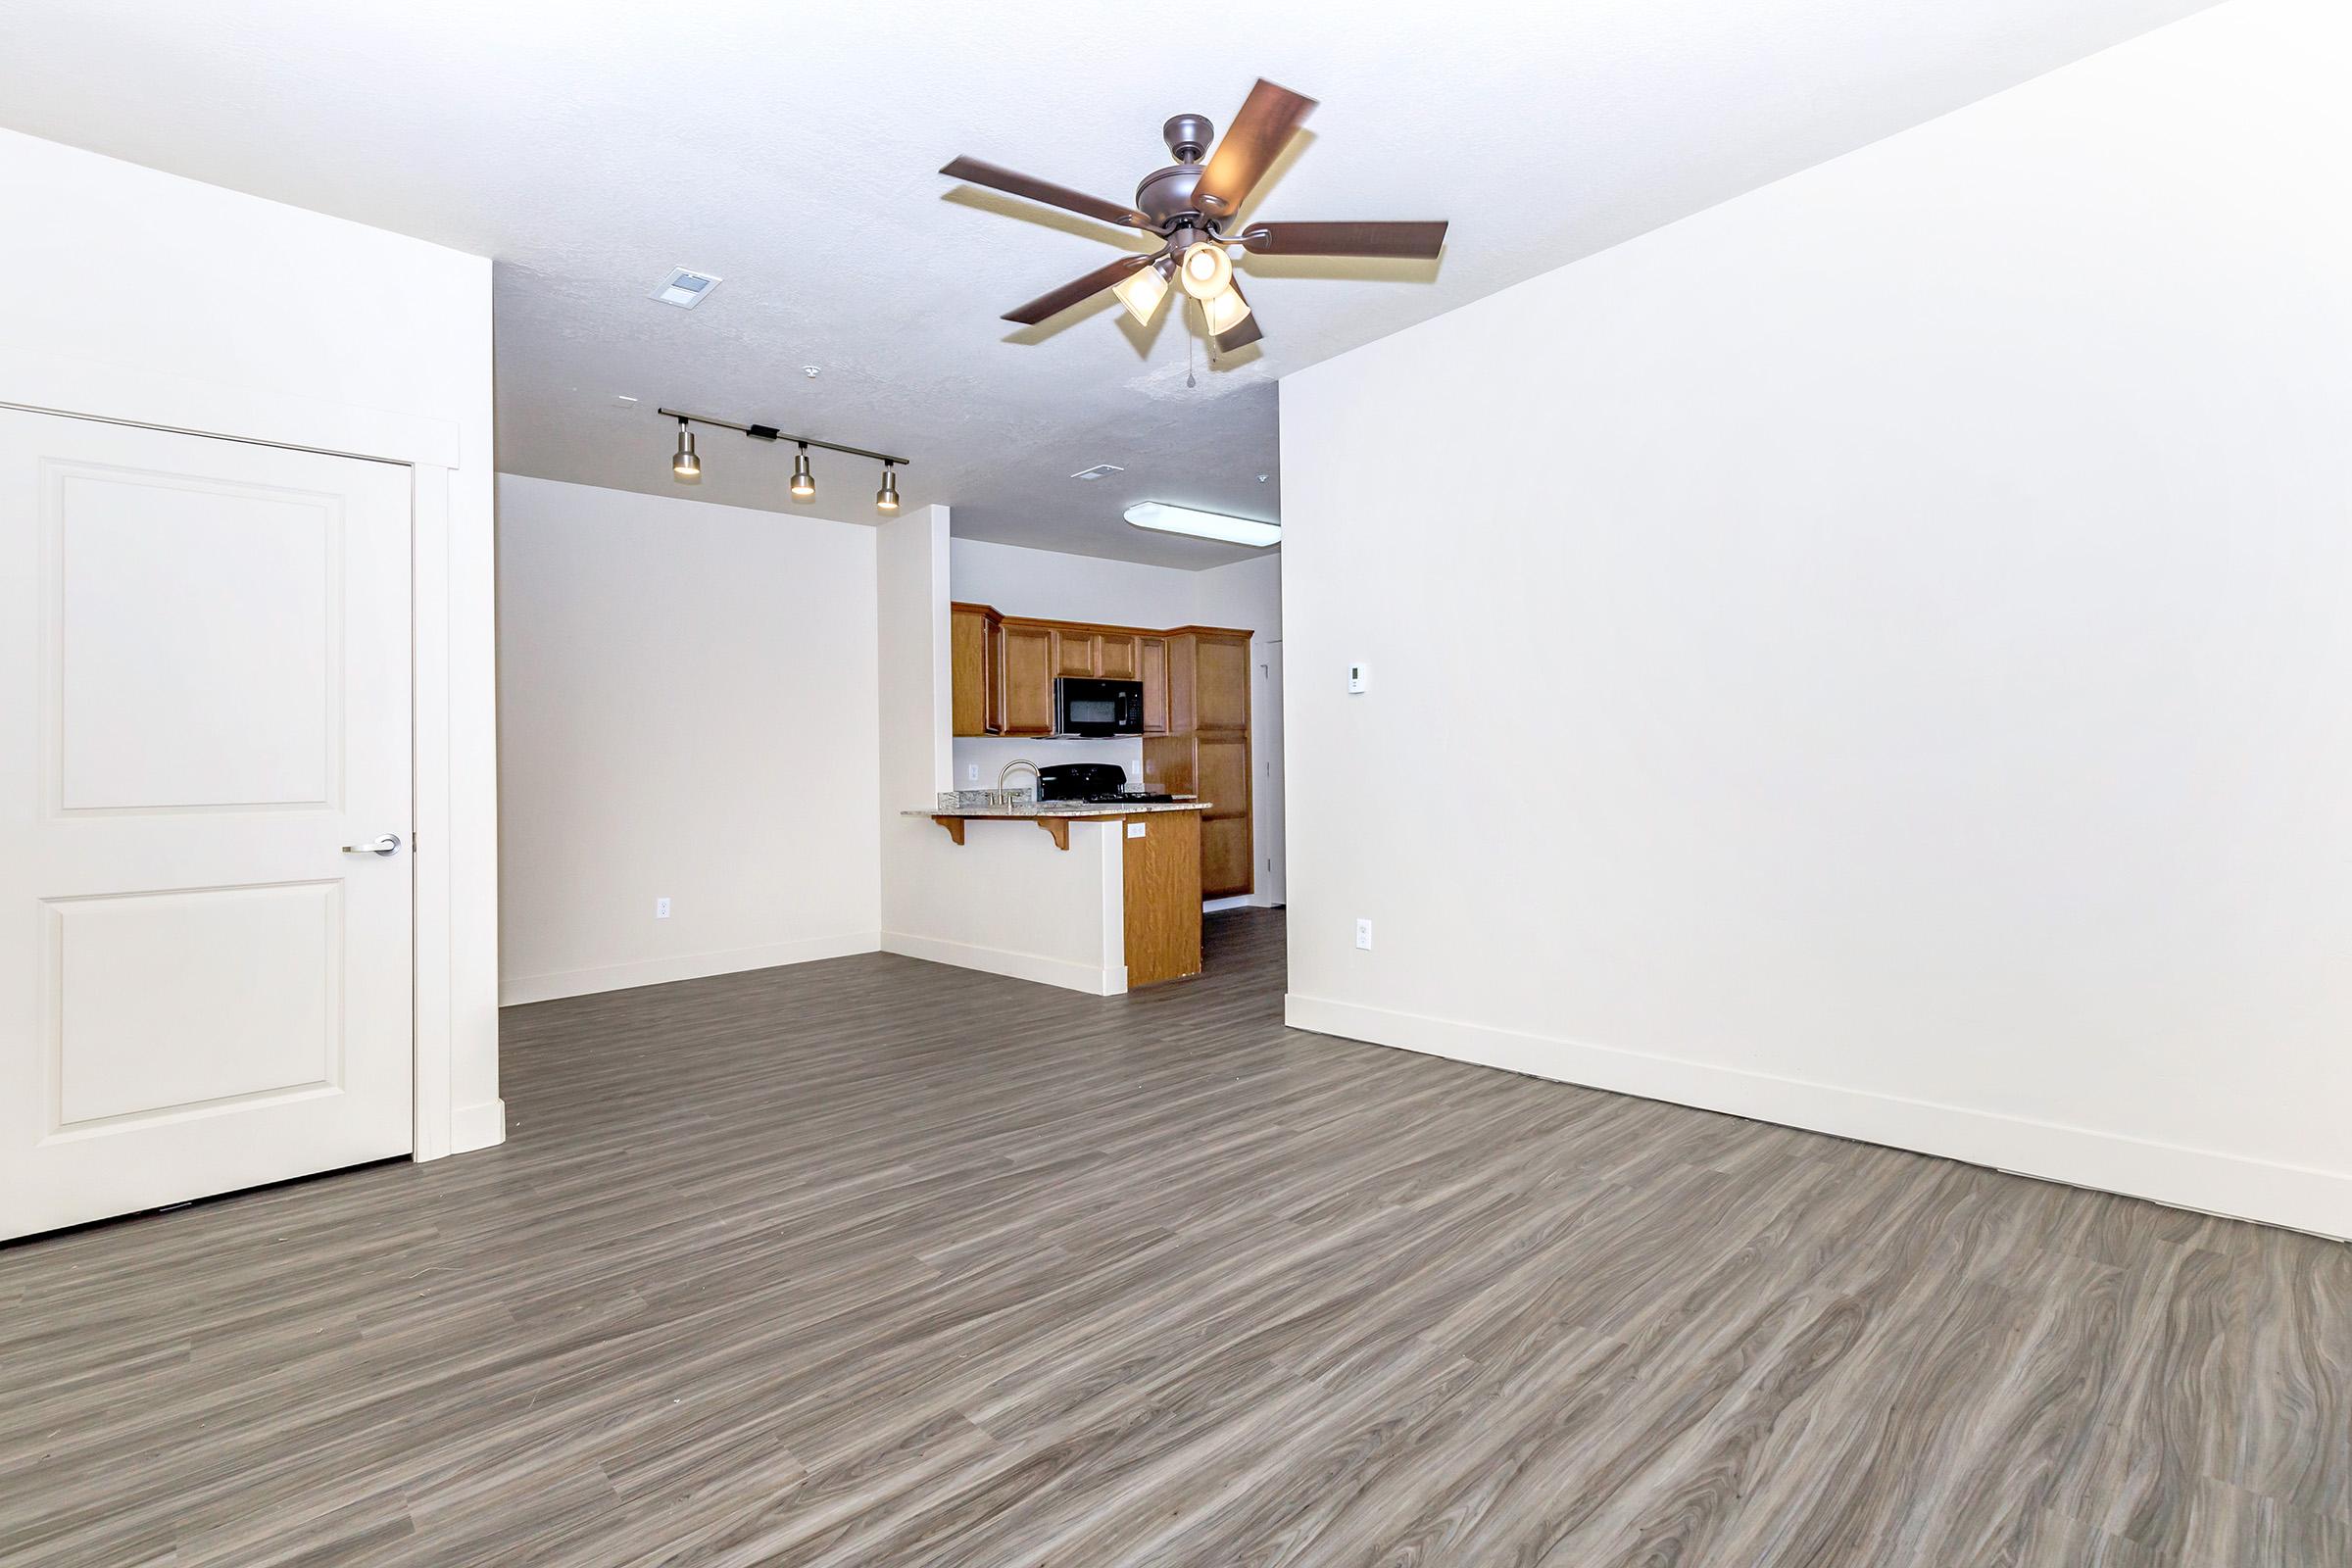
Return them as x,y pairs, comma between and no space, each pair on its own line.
389,844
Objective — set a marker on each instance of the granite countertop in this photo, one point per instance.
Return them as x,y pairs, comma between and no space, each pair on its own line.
1073,809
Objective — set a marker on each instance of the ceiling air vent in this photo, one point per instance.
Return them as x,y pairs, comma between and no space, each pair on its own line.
685,289
1101,470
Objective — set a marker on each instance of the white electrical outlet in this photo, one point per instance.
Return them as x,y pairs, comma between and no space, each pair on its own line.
971,773
1360,676
660,908
1363,934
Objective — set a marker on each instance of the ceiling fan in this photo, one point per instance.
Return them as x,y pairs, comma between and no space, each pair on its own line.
1189,205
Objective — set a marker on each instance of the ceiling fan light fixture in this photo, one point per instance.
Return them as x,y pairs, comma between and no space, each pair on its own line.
1205,525
1226,312
1142,290
804,479
1207,271
886,499
684,464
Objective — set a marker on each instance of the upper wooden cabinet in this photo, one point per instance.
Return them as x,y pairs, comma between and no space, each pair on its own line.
1118,658
974,634
1151,654
1075,652
1087,653
1027,672
1221,684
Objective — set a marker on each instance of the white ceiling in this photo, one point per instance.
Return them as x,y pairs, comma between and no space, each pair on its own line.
792,148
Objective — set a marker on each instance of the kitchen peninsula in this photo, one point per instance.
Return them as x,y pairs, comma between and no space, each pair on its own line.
1149,854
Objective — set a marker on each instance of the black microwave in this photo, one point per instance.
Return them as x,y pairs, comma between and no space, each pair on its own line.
1083,706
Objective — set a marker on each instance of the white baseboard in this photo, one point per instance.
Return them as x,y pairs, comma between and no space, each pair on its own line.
517,989
472,1127
2232,1185
1067,973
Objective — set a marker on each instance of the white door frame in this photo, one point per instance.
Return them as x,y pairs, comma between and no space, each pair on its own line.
429,448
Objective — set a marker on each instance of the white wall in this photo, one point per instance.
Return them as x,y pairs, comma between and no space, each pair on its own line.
1930,572
201,309
688,710
1006,899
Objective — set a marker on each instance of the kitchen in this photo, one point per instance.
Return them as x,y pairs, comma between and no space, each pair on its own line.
1155,724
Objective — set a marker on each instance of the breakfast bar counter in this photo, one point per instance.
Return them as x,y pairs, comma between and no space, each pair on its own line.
1055,817
1148,915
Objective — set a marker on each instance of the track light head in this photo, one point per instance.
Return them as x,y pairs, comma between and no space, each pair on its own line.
684,464
886,499
804,480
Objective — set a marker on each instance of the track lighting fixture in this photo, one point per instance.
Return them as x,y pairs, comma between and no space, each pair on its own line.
686,465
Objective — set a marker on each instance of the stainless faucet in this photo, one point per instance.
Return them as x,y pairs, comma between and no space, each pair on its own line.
1037,779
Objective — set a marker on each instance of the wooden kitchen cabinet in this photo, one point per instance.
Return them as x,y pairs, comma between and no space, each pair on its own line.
1075,653
975,635
1027,672
1118,658
1151,658
1196,682
1207,750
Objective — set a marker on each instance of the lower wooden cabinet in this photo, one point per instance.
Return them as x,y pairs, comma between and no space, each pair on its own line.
1217,769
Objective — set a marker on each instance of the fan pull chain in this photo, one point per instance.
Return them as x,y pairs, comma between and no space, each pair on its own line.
1187,347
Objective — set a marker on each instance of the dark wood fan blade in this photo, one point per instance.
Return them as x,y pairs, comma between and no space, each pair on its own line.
1069,294
1269,115
973,171
1241,336
1422,241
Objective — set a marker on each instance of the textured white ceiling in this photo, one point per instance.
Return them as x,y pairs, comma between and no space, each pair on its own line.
791,148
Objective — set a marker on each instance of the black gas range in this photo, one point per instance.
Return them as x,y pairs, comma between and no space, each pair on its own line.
1093,784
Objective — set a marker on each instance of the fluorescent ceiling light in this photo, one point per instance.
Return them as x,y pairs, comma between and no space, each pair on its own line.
1203,524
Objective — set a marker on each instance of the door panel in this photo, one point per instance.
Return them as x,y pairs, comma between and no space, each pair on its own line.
184,705
204,647
136,966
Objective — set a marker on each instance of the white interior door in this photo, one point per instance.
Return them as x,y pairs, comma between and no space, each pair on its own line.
204,698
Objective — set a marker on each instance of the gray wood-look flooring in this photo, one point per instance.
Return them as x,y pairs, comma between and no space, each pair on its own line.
876,1262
